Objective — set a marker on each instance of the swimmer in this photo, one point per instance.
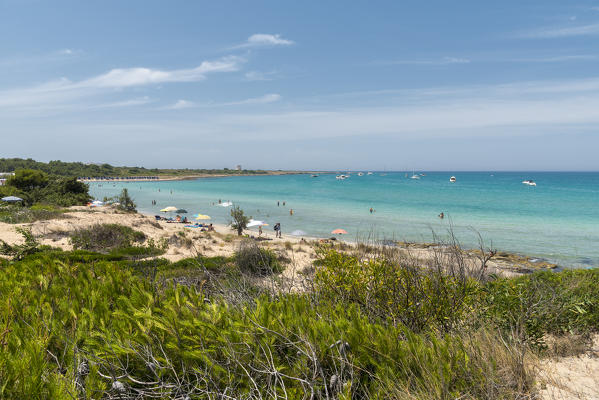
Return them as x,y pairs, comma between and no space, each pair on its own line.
442,215
371,210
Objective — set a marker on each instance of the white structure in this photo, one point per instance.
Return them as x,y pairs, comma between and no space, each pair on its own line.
238,167
4,176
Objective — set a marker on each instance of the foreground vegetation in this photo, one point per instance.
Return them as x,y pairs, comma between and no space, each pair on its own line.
79,169
108,322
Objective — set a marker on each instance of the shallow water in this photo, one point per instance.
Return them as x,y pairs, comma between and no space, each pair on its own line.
557,220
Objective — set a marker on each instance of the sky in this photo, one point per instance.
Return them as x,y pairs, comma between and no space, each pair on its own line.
310,85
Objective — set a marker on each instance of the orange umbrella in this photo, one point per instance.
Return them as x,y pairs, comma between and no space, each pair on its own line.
340,231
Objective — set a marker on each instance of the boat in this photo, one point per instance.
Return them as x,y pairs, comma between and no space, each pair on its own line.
415,176
369,173
314,176
341,177
529,182
452,179
360,173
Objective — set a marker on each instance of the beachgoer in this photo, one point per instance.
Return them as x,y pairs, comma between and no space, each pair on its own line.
283,204
178,218
259,230
219,201
277,229
185,220
442,215
291,211
371,210
277,204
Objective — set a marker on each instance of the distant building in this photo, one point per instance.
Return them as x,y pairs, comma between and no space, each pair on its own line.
238,168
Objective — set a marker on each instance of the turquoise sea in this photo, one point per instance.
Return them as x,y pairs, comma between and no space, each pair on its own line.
557,220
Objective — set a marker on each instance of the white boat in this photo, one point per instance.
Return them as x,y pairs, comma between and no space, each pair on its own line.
360,173
341,177
452,179
369,173
314,176
529,182
415,176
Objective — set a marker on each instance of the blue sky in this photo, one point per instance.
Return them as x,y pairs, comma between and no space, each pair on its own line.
433,85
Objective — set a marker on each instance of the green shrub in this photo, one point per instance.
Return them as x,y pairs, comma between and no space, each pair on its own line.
416,295
16,214
544,302
105,237
61,315
252,259
18,251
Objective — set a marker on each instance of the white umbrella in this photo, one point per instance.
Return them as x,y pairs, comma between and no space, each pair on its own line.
256,223
226,204
169,209
11,199
298,233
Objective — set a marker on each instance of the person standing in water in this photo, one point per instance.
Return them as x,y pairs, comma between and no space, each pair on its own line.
291,211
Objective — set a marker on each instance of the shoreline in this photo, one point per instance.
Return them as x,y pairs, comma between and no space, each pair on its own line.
186,242
164,178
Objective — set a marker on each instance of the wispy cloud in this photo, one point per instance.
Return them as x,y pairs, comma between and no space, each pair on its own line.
556,59
264,40
180,104
267,98
124,77
34,59
441,61
260,75
64,90
561,32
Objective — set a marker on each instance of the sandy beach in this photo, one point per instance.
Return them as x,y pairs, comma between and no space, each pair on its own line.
223,241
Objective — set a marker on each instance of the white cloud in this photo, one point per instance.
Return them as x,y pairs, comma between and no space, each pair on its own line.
180,104
267,98
63,91
123,77
263,40
260,76
552,33
441,61
564,58
66,52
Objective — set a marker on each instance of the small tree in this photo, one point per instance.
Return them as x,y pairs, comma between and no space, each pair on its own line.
126,202
28,179
240,220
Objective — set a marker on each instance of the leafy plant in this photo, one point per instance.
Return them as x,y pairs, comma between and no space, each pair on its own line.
105,237
251,258
239,220
19,251
126,202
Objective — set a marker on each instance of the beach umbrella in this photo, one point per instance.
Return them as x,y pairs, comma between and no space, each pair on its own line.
226,204
256,223
200,216
181,211
11,199
339,232
298,233
169,209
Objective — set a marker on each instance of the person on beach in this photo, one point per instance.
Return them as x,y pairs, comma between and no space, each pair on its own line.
277,204
291,211
371,210
283,204
277,229
442,215
259,230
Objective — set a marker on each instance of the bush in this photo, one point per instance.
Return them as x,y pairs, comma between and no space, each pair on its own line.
15,214
19,251
105,237
402,290
250,258
544,302
239,220
126,202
